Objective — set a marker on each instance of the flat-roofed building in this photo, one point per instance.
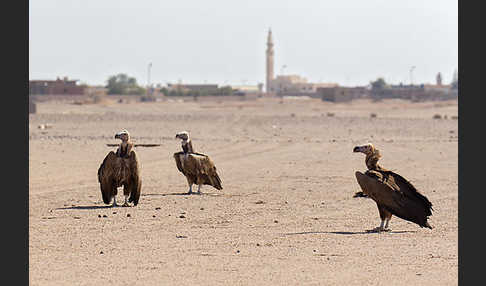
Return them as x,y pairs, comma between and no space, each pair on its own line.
55,87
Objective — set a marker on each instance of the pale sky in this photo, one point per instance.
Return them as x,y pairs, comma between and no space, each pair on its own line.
349,42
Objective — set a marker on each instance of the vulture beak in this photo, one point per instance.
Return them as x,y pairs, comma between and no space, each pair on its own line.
357,149
117,136
177,136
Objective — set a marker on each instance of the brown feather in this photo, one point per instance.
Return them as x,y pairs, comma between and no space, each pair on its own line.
198,169
115,172
395,195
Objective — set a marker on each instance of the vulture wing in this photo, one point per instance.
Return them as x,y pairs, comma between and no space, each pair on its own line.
178,161
396,195
135,184
206,170
199,166
106,173
409,190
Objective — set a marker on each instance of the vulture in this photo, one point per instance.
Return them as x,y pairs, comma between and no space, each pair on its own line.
393,194
198,168
118,169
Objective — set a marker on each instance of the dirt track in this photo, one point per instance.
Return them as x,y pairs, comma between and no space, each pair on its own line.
285,216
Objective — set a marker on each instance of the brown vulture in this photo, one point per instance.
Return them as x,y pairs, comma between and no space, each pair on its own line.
120,169
393,194
198,168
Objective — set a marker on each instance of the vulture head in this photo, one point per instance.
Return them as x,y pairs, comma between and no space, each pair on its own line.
183,135
123,135
367,149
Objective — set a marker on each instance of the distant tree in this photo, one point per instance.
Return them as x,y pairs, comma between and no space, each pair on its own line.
164,91
123,84
378,84
226,90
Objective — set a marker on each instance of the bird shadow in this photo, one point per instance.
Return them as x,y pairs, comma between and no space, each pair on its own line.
182,194
346,232
85,207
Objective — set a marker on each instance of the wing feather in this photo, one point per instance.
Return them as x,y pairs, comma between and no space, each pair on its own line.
177,159
105,177
135,181
199,167
395,196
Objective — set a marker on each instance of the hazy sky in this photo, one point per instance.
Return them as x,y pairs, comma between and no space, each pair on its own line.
350,42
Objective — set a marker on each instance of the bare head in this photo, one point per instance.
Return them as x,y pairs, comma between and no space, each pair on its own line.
123,135
367,149
183,135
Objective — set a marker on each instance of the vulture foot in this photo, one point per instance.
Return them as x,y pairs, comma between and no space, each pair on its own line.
125,205
378,229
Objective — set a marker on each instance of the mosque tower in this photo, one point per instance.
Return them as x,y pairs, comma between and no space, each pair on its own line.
269,54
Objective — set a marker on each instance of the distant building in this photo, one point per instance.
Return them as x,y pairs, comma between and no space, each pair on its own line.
287,84
415,92
342,94
246,89
192,87
295,85
269,62
438,79
55,87
96,90
197,90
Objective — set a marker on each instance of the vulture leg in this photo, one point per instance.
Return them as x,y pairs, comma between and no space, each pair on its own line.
386,223
199,189
115,192
126,193
189,182
385,218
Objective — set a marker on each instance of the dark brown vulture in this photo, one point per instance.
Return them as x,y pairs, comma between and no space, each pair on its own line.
393,194
120,169
198,168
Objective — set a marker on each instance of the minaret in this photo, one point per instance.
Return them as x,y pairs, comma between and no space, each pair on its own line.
269,54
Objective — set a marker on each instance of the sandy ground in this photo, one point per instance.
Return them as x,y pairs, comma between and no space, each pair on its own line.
286,215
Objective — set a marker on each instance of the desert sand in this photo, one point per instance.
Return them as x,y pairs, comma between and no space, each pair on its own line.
286,214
